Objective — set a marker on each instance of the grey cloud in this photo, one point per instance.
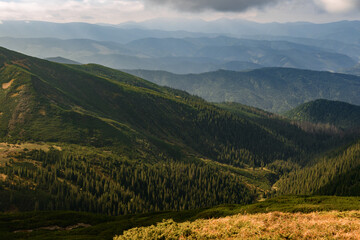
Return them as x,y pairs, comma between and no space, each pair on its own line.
216,5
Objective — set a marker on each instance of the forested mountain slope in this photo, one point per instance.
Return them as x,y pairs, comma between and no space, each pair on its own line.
336,173
339,114
272,89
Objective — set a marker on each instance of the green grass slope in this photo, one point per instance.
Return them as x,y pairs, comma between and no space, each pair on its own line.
339,114
54,102
272,89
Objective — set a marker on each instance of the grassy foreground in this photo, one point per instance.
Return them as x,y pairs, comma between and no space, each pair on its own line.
274,225
77,225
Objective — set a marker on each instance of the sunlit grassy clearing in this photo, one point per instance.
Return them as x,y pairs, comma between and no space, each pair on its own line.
274,225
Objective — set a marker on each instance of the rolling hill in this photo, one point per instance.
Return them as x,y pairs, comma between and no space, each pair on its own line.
339,114
272,89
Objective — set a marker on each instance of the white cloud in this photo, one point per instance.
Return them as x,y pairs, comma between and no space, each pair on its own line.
215,5
338,6
70,10
116,11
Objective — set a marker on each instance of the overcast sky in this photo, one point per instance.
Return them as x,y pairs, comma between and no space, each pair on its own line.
117,11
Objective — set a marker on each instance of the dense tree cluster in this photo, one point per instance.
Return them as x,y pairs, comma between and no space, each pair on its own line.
57,180
337,173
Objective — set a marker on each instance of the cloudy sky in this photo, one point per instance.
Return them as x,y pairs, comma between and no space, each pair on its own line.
117,11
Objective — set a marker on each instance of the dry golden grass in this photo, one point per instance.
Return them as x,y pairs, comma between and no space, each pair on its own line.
14,95
8,151
275,225
7,85
22,63
42,112
20,88
3,177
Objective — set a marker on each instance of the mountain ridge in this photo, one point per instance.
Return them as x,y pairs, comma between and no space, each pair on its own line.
259,87
188,55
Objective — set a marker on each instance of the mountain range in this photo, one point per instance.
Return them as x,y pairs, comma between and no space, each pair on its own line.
138,47
186,55
343,31
97,32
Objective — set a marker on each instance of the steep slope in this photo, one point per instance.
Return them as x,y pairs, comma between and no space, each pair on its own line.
339,114
91,104
271,89
278,127
41,101
337,173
